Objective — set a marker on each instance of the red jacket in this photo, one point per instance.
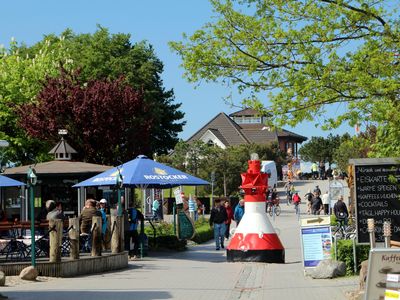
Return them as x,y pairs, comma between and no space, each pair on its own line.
229,212
296,198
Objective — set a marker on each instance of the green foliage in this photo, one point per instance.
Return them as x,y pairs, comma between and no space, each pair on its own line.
204,232
320,149
96,56
307,58
165,238
345,254
354,147
201,159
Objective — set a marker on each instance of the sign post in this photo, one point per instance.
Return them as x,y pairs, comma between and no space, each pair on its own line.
316,239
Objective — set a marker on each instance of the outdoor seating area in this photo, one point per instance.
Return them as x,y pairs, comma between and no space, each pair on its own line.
15,240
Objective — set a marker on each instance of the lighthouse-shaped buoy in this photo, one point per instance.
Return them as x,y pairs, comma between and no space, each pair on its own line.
255,239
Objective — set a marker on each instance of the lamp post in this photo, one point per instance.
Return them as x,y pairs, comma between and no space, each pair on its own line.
119,183
32,180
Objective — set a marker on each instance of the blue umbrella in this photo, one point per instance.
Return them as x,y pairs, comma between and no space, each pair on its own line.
143,172
5,181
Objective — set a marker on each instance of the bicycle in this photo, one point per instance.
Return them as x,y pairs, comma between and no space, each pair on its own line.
297,208
273,207
343,231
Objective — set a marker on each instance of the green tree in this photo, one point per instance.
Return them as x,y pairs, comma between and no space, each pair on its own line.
307,57
320,149
354,147
102,55
21,77
98,56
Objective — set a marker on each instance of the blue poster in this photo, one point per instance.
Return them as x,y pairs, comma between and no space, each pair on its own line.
317,242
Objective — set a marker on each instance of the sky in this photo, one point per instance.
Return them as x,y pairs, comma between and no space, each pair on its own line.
156,21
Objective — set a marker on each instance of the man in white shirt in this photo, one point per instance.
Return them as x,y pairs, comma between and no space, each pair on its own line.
325,202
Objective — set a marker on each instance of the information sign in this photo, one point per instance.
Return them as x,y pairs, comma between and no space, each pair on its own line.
178,196
377,197
316,244
383,266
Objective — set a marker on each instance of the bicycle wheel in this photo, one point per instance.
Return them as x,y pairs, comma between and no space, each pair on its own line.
270,211
277,210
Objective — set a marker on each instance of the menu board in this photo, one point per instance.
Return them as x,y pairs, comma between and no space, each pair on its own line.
377,196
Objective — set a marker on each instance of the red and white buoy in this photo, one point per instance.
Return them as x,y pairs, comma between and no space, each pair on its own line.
255,239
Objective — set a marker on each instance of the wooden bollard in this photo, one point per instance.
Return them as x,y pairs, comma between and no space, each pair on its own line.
74,238
116,243
55,239
107,236
96,236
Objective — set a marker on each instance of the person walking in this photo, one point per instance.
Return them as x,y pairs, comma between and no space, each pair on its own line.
314,170
309,196
229,213
239,212
217,221
102,209
325,202
316,204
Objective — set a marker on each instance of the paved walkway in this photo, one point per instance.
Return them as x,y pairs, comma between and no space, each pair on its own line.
200,273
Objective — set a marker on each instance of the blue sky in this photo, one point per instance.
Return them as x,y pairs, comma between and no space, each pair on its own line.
157,21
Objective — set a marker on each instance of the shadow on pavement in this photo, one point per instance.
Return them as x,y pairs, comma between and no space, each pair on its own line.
88,295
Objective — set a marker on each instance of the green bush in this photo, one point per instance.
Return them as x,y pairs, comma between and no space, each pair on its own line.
170,242
204,232
345,254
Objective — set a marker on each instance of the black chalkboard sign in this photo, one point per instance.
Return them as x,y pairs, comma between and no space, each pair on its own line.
377,196
185,226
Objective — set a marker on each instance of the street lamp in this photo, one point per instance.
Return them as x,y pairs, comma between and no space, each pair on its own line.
32,180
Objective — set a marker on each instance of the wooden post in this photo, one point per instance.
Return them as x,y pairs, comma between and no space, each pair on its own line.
55,239
116,246
74,238
96,236
107,237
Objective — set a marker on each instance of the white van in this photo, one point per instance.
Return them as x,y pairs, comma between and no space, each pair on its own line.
269,167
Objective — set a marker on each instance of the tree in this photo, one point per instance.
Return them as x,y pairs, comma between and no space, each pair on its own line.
354,147
308,57
227,163
98,56
103,55
21,77
320,149
105,119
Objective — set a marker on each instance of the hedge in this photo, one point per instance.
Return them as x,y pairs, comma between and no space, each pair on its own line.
345,254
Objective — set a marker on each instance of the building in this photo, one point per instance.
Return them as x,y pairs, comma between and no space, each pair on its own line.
55,181
246,127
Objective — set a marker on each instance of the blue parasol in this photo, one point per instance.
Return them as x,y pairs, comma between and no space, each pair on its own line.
5,181
143,172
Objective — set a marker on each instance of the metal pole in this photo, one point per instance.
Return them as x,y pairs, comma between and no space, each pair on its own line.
174,215
354,255
32,202
119,212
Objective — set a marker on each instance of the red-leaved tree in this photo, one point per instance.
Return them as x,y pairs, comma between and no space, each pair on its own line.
106,120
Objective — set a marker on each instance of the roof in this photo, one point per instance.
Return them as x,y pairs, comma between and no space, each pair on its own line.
292,135
222,125
245,112
62,147
59,167
231,134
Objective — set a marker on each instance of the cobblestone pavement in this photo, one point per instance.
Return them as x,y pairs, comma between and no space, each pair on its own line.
199,273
